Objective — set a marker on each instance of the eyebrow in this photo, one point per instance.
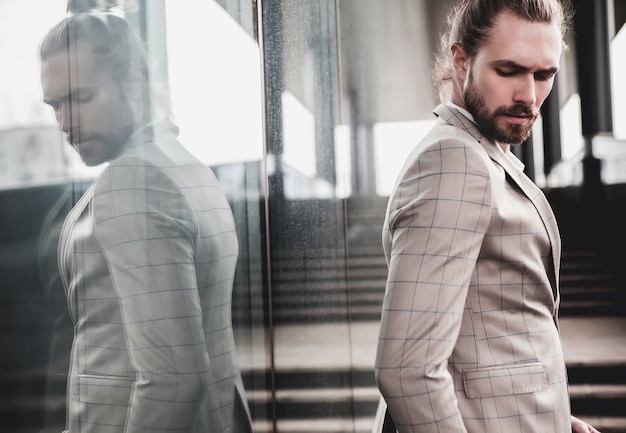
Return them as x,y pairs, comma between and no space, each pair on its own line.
510,64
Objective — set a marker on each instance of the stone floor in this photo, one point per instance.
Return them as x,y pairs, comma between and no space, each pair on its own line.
596,340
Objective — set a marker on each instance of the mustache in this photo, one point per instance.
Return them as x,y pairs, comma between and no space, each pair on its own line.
518,110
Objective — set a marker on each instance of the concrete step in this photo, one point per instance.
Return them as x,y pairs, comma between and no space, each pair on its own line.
606,400
316,425
318,403
592,374
604,424
299,379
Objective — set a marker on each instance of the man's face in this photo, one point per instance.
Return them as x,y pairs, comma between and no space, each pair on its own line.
511,76
90,107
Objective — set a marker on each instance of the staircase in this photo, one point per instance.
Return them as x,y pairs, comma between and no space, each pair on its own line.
319,289
322,286
598,395
342,400
593,290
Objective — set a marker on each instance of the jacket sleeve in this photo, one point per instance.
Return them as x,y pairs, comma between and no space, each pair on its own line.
146,231
437,218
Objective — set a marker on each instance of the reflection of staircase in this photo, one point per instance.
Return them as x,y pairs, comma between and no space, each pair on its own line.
321,284
343,400
24,320
317,287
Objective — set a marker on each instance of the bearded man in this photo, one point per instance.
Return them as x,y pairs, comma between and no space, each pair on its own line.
469,338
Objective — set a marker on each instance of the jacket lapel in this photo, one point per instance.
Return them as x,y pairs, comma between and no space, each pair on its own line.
515,173
65,260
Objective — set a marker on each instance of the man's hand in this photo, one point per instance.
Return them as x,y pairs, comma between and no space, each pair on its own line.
579,426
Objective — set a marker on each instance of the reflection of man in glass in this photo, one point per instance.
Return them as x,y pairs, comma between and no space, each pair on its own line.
148,254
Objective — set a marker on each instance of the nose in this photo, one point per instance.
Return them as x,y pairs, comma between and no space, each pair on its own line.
526,92
64,117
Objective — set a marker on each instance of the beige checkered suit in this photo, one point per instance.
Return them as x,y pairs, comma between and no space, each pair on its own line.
148,257
468,338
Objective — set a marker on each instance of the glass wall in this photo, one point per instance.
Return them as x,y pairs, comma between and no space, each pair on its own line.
321,383
204,62
35,165
305,111
255,90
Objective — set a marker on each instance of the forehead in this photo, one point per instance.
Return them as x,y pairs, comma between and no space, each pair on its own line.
70,69
531,44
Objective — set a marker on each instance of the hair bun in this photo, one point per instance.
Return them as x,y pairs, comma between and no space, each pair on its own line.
83,6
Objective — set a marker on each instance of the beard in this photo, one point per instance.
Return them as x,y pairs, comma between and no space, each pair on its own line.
98,146
488,121
101,148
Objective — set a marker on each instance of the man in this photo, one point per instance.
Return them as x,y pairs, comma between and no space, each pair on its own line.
147,256
469,339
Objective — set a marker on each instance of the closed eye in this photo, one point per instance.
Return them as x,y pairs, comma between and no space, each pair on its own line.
544,75
82,97
506,72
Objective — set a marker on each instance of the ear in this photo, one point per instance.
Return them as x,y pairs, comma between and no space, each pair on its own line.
460,62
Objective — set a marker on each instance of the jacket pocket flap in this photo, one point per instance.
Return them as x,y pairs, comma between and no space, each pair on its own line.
90,388
505,380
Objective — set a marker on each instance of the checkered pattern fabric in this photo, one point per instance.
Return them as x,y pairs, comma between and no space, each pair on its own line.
469,339
148,258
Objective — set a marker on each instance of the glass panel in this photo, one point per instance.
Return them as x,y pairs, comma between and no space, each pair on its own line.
347,95
215,96
216,100
320,376
34,168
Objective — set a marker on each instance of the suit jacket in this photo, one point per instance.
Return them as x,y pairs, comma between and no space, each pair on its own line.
469,340
147,257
